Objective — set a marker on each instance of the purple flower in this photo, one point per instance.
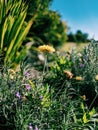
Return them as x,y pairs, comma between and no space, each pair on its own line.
82,65
26,74
36,128
30,127
28,87
18,95
40,97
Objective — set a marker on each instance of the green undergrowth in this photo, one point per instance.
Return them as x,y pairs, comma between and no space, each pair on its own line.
62,97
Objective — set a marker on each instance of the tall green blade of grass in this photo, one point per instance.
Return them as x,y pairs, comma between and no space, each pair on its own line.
4,29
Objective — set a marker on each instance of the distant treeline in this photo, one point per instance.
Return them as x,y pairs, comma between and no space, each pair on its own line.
78,37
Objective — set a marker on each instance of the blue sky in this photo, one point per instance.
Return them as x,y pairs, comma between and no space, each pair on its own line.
79,14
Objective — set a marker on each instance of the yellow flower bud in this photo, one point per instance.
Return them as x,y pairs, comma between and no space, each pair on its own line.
83,97
79,78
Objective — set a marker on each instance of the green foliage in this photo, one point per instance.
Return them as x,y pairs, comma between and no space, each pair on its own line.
28,103
13,29
62,97
16,20
61,63
86,66
48,28
78,37
37,6
55,99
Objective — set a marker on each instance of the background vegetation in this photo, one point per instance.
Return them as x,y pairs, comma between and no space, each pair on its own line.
78,37
60,92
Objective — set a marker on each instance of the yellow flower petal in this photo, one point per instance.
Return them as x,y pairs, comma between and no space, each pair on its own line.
68,74
46,48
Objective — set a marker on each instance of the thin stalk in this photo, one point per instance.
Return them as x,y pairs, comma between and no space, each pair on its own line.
45,64
93,101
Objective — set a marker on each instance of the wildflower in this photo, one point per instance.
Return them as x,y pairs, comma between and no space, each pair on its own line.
83,97
96,77
68,74
30,127
11,71
79,78
40,97
18,95
36,128
28,87
26,74
81,65
46,48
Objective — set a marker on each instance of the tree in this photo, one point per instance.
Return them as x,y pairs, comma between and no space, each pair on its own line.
72,37
78,37
47,27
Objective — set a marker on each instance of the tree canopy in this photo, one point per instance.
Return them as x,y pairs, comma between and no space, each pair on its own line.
47,28
78,37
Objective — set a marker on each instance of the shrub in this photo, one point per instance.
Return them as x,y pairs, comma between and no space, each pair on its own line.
85,64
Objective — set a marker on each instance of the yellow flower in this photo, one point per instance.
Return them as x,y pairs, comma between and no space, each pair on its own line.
46,48
79,78
83,97
11,71
68,74
96,77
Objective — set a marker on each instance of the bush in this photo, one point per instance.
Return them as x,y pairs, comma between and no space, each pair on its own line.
85,64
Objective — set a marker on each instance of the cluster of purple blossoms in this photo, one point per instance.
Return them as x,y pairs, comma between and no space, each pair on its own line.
31,128
40,97
81,65
36,128
18,95
26,74
28,87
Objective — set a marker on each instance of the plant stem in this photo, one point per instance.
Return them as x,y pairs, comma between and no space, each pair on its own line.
45,64
93,101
